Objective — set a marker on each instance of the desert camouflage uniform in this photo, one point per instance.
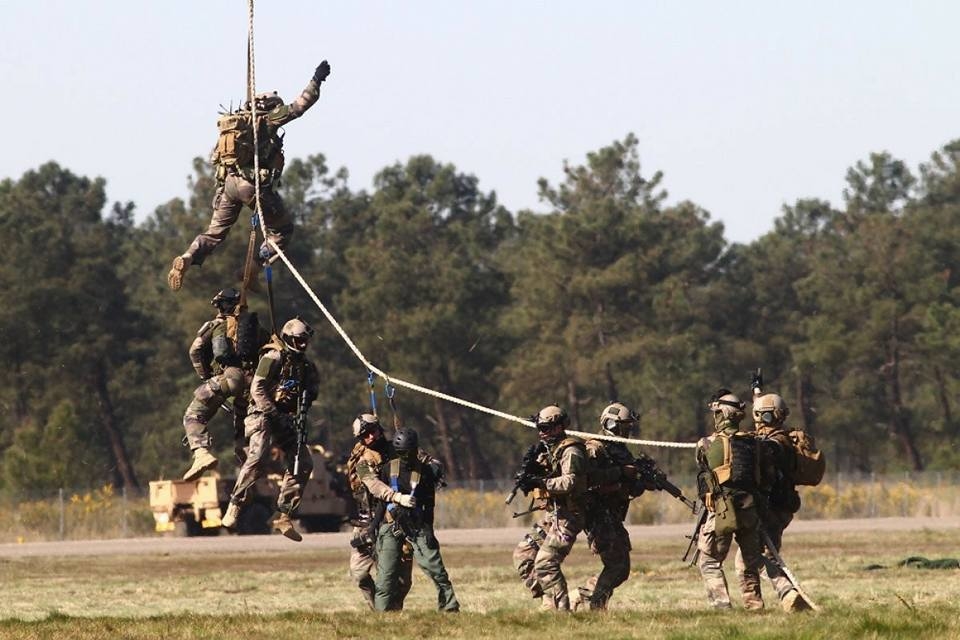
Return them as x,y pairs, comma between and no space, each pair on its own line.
363,472
714,548
236,188
280,376
414,530
538,556
607,502
784,502
223,377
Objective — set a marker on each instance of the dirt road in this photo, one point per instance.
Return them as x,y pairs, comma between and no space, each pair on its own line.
491,537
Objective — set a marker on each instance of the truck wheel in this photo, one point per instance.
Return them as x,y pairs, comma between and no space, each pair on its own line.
185,527
255,520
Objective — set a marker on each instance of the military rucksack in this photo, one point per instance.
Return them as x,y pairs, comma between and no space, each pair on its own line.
235,147
810,463
235,144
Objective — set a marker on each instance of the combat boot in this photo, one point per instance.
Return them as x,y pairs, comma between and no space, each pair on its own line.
202,461
177,269
792,602
229,519
284,525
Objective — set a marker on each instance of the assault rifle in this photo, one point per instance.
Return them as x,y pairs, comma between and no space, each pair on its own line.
778,560
530,470
700,509
649,475
300,424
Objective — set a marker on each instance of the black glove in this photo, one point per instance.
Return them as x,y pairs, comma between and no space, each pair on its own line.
529,483
322,71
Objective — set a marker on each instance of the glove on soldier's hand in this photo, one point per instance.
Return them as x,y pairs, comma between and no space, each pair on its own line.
629,472
529,483
405,500
322,71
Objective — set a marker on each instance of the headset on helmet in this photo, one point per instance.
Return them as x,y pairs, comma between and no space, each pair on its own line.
226,299
618,420
770,409
365,423
296,334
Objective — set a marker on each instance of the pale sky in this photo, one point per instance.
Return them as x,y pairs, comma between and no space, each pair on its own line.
744,106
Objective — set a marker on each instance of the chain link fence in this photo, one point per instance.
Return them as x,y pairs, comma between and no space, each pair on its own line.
106,513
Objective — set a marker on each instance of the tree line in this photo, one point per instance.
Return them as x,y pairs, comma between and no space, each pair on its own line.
612,293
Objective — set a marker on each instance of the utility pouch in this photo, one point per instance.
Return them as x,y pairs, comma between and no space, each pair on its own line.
725,514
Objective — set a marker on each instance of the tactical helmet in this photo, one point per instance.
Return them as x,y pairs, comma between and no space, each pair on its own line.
618,420
770,409
551,416
726,407
365,423
226,299
267,101
405,439
296,334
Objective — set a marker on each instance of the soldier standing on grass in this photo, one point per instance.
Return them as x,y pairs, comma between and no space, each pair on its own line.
364,466
769,413
729,482
409,520
613,484
284,384
233,158
561,489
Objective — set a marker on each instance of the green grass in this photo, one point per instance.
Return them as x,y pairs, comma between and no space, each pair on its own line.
307,594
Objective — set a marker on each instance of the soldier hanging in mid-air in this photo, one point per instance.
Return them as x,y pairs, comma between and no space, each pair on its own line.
283,388
223,354
233,159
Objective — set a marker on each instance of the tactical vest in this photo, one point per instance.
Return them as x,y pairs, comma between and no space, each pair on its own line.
357,488
734,460
234,149
290,377
552,460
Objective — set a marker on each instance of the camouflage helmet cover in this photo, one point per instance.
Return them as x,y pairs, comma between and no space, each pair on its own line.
726,405
551,416
770,409
296,334
365,423
618,420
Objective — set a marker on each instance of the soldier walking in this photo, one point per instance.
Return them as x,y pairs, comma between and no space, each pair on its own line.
370,455
409,520
769,413
284,383
560,489
233,160
612,485
728,481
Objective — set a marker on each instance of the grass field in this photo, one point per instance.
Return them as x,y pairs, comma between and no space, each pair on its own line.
306,594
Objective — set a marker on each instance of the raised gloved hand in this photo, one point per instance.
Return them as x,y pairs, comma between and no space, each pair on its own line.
322,71
405,500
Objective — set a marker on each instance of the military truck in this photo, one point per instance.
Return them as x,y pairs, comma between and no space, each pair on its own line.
182,508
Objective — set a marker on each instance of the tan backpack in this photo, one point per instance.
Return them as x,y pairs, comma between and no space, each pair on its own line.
810,463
